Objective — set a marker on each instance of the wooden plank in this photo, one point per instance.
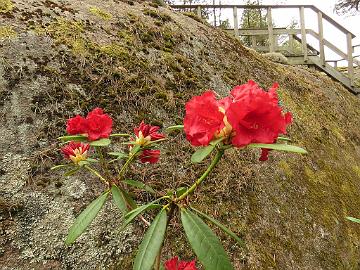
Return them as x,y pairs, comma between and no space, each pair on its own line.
262,32
271,32
350,58
312,7
198,11
291,44
303,33
236,22
321,38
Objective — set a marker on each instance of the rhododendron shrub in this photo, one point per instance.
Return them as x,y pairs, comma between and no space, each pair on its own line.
249,117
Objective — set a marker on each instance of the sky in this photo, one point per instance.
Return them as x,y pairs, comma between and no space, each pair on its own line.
282,18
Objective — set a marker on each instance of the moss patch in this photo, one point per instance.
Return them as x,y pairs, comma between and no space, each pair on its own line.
100,13
7,32
6,6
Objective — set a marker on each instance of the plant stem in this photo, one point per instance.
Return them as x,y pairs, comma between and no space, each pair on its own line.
128,161
216,159
97,174
102,161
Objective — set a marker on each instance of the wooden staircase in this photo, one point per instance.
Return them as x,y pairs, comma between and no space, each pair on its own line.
298,51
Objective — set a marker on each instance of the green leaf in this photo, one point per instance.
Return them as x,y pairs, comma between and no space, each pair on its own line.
69,173
119,199
119,155
280,138
135,149
204,242
73,138
202,153
151,244
85,218
129,217
83,163
140,185
221,226
101,142
216,141
177,127
120,135
92,160
280,147
60,166
353,219
180,191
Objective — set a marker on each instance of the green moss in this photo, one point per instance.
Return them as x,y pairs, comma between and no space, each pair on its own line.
157,15
70,33
126,37
100,13
6,6
7,32
286,168
115,50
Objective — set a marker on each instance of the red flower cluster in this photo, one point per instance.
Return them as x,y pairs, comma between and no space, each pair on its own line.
76,151
248,115
96,125
175,264
144,135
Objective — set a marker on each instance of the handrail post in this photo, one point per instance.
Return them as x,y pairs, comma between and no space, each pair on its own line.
291,44
350,58
198,11
321,38
271,31
236,22
303,33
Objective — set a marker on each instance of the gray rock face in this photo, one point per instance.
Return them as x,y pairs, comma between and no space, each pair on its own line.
139,61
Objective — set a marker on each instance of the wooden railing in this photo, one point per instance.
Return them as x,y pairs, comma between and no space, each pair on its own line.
301,34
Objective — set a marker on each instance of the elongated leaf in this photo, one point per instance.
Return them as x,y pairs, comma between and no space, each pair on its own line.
180,191
204,242
129,217
72,138
69,173
119,135
353,219
85,218
140,185
280,147
216,141
101,142
202,153
151,244
119,155
92,160
135,149
60,166
172,128
221,226
280,138
119,199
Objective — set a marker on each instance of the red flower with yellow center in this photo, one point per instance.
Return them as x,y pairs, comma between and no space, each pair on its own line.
76,151
176,264
147,133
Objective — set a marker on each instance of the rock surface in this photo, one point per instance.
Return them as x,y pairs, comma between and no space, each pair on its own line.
139,61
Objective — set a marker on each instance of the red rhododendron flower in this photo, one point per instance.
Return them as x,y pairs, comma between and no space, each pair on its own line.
147,133
75,151
151,156
203,118
76,125
255,115
175,264
98,125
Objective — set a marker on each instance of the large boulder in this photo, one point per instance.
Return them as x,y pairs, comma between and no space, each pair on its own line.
140,61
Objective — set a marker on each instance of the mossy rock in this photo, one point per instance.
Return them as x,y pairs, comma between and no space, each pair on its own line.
145,62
